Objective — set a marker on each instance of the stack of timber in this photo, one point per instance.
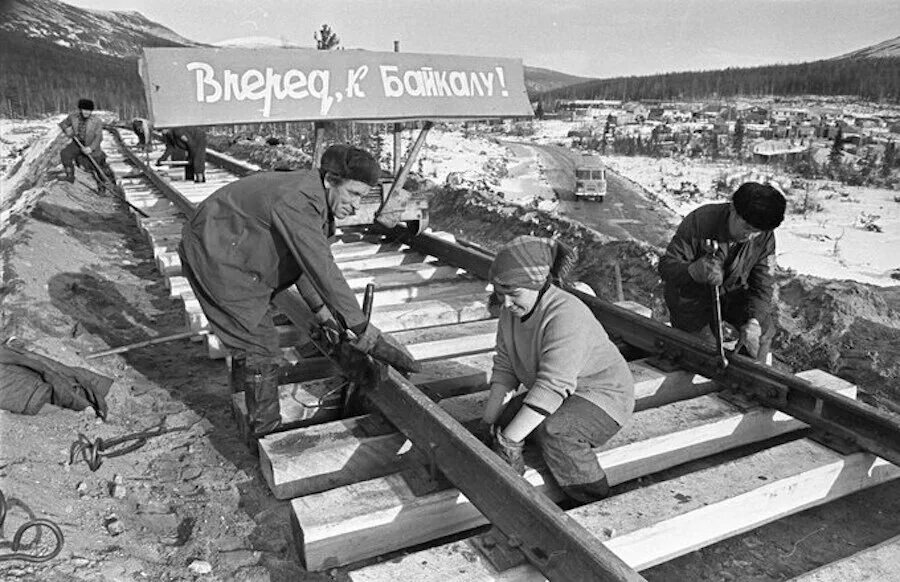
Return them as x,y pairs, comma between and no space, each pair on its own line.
361,492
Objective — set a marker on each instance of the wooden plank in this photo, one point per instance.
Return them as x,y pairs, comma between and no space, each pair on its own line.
446,332
653,524
400,276
309,402
383,260
460,346
431,312
352,454
880,563
344,251
370,518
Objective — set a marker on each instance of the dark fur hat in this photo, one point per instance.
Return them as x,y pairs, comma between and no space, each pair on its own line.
350,163
761,205
86,104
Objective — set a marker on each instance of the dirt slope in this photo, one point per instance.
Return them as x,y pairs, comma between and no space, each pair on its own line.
79,276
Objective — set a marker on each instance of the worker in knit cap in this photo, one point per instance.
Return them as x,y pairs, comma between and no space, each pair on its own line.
254,238
578,389
741,267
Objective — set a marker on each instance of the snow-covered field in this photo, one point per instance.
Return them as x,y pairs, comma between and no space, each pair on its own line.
21,143
848,232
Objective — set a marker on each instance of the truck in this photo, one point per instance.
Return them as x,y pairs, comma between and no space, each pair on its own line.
590,179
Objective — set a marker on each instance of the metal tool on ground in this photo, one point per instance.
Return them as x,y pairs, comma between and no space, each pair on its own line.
149,342
712,247
94,452
106,182
16,544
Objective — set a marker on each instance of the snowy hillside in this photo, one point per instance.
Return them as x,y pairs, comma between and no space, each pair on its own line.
117,34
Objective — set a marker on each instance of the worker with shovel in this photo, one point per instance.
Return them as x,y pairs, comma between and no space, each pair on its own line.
256,237
86,132
729,247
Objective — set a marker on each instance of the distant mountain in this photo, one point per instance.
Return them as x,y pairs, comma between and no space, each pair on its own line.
538,80
887,49
869,73
54,53
114,34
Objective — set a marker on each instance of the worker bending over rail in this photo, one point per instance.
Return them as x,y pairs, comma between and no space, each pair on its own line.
258,236
741,267
579,389
186,143
86,132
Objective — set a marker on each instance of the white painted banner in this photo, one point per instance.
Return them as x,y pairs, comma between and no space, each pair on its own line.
206,86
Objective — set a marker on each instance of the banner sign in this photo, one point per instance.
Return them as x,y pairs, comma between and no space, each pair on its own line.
204,86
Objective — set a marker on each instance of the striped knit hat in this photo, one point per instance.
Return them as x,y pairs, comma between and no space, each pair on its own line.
524,262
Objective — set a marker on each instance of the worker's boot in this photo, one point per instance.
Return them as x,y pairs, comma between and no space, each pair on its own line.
588,492
263,409
237,379
70,174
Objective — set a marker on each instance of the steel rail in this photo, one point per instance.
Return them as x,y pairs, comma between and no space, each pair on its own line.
865,426
553,543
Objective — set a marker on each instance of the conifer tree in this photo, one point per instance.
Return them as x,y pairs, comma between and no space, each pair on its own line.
326,39
738,140
837,148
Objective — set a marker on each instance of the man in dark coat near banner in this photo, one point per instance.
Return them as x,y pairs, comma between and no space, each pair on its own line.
258,236
740,267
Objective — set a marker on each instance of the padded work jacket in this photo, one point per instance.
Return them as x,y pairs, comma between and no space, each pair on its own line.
258,236
746,267
93,129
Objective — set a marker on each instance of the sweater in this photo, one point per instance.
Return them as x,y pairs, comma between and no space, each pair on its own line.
562,350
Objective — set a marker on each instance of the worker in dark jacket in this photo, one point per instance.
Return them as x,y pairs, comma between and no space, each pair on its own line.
743,230
82,126
258,236
186,143
172,152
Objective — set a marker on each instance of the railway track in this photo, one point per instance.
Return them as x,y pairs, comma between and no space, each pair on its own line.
359,490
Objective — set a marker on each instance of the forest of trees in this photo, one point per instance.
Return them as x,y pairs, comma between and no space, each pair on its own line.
39,78
872,79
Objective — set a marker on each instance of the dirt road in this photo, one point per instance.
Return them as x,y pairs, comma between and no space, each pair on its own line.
626,212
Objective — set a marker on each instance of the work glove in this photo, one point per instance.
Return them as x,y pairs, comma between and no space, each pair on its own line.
326,327
707,271
386,349
563,264
750,336
510,451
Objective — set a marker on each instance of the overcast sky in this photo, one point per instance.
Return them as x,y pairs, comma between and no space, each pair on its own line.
593,38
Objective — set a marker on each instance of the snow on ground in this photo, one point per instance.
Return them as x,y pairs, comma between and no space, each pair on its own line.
451,157
833,243
21,142
849,232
